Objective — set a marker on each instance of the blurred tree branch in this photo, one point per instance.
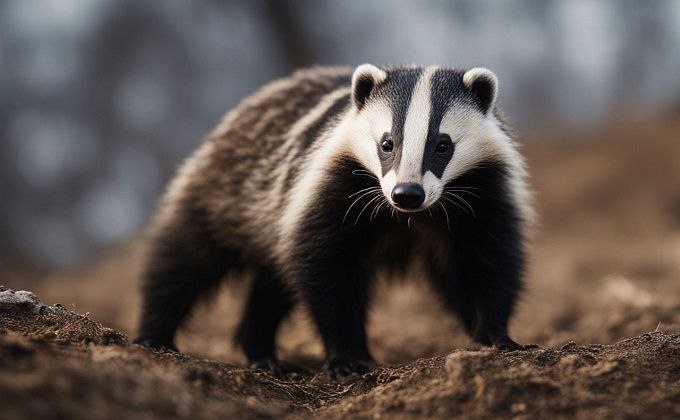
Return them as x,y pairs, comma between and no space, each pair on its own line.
289,31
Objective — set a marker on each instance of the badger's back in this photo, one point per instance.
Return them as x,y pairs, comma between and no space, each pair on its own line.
236,182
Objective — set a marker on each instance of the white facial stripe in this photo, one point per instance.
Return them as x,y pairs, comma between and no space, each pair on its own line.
389,181
433,188
366,130
479,139
475,140
415,129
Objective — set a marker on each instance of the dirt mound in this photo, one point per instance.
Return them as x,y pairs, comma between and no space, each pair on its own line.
24,313
636,377
69,366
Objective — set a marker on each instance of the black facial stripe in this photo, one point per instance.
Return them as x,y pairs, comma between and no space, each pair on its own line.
444,85
397,90
386,158
447,88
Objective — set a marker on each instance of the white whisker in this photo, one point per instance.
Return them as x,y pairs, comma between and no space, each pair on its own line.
365,189
362,172
461,191
367,204
471,210
448,225
462,187
377,209
353,203
455,203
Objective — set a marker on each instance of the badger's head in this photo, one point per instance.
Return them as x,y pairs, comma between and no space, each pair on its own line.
417,129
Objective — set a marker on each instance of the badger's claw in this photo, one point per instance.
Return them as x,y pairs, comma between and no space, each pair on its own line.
269,365
508,345
156,344
344,369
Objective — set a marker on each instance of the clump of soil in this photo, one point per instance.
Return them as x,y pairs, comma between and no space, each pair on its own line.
56,363
23,313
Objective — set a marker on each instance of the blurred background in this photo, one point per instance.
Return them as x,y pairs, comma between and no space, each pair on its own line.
101,99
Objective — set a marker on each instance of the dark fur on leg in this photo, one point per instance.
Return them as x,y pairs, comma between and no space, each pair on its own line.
332,274
483,279
337,297
455,297
183,266
269,303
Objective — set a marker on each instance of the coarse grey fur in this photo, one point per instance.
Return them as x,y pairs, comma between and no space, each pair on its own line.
239,174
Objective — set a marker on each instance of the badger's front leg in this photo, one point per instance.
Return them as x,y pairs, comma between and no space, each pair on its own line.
488,265
482,290
482,278
494,308
336,292
332,279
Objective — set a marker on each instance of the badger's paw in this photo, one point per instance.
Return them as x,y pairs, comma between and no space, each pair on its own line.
156,344
346,369
508,345
505,343
269,365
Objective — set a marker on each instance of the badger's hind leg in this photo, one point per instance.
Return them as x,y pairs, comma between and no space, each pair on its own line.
268,304
184,264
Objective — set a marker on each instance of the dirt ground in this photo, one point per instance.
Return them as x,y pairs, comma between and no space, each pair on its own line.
603,305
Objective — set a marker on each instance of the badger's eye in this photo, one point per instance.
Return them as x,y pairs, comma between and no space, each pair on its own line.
444,144
387,145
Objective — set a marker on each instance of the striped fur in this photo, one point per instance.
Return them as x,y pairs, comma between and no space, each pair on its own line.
295,185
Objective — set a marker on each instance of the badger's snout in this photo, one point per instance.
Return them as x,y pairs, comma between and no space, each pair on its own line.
408,196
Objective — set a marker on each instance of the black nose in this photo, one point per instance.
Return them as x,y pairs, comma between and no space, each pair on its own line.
408,196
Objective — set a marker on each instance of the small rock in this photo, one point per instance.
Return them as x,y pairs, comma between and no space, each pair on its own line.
456,362
519,407
10,299
568,345
604,367
570,361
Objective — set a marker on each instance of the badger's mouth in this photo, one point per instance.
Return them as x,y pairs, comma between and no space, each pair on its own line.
420,209
412,194
374,199
371,203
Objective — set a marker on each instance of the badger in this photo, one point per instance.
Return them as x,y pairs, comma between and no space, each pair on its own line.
322,180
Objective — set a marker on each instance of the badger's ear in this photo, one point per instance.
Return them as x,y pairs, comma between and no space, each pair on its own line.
484,86
365,78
